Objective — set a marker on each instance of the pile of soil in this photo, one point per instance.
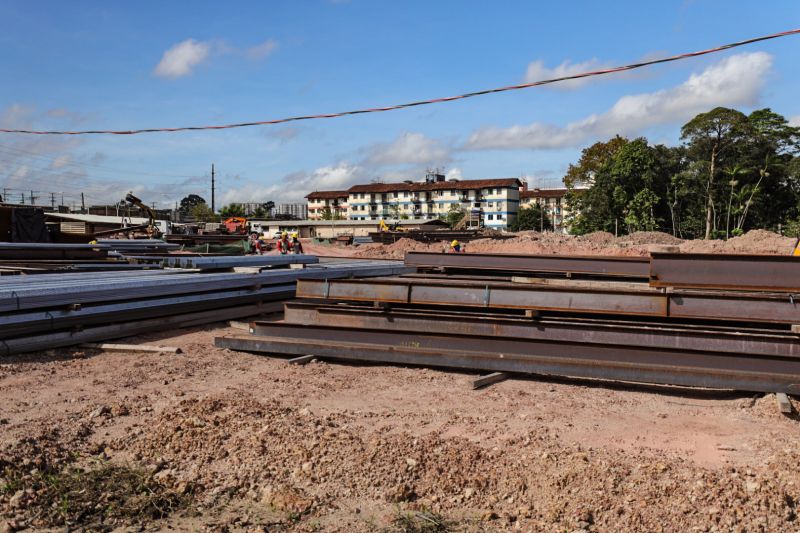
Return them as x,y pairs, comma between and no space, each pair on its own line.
599,243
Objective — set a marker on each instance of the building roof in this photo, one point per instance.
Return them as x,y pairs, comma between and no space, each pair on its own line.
542,193
99,219
326,195
435,186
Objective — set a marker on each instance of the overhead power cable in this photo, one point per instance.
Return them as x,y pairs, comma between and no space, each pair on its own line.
420,102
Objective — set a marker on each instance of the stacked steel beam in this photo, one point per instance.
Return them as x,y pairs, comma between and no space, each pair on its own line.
675,319
43,312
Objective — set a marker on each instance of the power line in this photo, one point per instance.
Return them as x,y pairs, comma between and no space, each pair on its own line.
418,103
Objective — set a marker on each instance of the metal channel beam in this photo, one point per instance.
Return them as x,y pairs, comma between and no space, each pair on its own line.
710,305
632,267
15,325
761,342
220,262
609,362
115,331
734,272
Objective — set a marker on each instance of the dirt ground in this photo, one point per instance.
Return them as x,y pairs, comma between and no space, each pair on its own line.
256,444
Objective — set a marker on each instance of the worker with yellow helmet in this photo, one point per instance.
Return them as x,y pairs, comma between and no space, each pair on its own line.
283,244
455,247
296,245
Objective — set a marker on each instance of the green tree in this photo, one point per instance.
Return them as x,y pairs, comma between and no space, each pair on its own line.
232,210
640,211
202,213
532,218
454,215
189,202
712,137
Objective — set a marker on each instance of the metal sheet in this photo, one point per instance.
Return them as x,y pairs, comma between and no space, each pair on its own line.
636,267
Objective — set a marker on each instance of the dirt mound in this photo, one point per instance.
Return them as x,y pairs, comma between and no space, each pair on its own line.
753,242
649,237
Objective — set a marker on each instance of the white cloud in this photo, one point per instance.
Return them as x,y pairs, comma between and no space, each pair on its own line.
795,121
293,187
454,174
180,59
537,71
262,50
736,80
409,148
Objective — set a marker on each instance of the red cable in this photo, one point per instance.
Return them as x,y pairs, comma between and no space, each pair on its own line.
419,103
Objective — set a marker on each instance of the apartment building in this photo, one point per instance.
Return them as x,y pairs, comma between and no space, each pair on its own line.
297,211
320,202
553,201
492,202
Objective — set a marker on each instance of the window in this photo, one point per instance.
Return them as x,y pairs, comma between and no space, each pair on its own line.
405,194
452,192
491,204
490,217
395,195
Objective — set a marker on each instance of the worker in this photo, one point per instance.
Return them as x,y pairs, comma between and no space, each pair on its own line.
256,246
283,244
296,246
455,247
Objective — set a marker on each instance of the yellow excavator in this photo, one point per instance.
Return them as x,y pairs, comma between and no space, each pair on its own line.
394,227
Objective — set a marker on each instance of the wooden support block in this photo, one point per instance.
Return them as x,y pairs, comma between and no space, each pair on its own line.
531,313
489,379
302,360
783,402
663,249
296,266
131,348
795,328
239,325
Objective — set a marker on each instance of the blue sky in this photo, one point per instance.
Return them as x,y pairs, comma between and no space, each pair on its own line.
126,65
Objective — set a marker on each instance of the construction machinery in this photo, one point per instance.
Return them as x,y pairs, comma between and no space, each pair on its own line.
236,225
394,227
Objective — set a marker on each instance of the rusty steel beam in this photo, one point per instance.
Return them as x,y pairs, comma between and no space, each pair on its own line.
629,267
646,335
774,273
497,354
645,301
685,304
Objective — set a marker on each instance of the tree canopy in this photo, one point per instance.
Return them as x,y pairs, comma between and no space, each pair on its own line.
733,172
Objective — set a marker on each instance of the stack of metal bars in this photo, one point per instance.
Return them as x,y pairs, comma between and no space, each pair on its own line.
676,319
43,312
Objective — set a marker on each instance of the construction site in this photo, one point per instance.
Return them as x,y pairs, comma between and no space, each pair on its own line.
538,382
399,267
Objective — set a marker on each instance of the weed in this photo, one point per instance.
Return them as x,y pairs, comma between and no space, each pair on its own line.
104,493
420,522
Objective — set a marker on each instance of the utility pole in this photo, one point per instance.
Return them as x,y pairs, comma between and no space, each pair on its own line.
33,198
213,188
83,204
5,194
53,200
22,198
62,198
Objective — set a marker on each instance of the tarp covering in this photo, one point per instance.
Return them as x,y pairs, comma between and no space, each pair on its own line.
27,225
